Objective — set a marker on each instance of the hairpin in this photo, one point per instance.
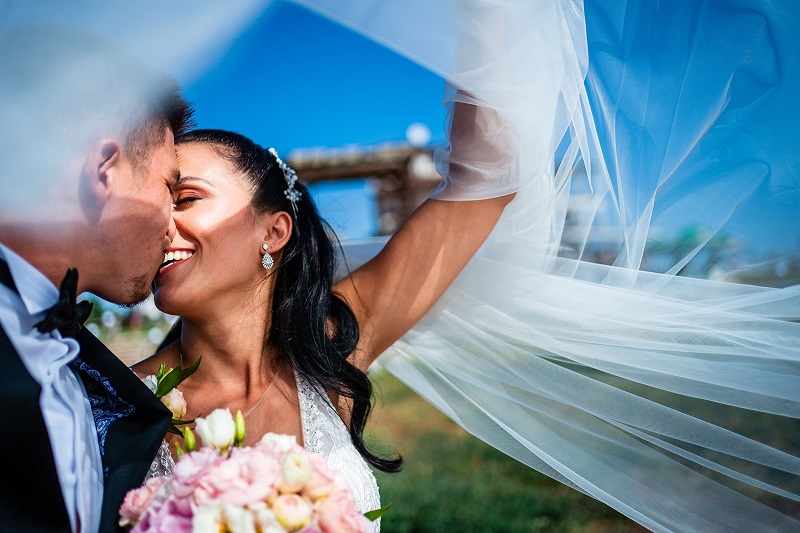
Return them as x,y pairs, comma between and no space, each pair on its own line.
292,194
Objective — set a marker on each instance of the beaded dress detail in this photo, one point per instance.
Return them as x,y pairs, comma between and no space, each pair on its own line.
325,434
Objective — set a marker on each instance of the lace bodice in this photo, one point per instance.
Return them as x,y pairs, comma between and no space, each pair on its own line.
325,434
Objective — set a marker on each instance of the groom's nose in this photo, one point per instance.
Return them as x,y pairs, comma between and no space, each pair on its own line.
171,230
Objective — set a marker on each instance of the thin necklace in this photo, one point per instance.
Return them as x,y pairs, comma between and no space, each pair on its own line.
263,394
258,402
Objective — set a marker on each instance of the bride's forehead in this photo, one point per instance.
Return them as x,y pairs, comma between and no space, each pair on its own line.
200,159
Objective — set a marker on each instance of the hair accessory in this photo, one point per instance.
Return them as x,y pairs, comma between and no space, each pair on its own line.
292,194
267,261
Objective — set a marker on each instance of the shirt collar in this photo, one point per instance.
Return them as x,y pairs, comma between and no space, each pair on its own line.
36,291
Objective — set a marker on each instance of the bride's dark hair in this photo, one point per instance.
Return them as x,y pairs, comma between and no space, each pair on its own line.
312,328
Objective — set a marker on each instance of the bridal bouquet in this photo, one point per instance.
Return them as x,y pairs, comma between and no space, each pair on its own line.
274,486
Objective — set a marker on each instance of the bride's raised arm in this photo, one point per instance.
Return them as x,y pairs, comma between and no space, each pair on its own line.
393,291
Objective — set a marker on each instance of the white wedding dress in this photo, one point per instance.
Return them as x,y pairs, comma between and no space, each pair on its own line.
325,434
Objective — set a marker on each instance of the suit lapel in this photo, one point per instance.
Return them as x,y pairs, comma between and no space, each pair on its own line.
30,492
129,442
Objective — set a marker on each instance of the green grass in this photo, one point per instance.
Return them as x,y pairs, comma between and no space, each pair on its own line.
454,482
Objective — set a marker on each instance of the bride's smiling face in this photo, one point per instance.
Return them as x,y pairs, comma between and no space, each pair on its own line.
215,252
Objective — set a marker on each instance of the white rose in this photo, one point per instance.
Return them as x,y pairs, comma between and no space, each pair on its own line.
207,519
217,429
239,519
152,383
175,402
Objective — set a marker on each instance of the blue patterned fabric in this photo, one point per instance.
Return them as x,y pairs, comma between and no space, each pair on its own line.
107,406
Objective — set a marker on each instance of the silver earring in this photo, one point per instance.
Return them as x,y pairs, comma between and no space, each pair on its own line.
267,261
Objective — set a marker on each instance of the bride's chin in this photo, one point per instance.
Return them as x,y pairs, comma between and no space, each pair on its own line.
168,303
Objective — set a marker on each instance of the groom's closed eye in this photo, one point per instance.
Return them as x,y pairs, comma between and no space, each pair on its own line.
172,181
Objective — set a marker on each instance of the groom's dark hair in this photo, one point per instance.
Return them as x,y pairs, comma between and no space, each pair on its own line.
62,89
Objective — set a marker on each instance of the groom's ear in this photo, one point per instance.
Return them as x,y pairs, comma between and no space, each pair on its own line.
96,177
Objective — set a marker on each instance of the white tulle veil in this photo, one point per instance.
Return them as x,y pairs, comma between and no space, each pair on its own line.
647,390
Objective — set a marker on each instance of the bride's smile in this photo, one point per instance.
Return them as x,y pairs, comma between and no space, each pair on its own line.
172,258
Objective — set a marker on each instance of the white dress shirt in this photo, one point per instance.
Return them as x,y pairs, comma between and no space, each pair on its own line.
63,401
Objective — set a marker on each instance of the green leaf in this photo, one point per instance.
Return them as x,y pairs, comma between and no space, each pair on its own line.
175,431
181,422
377,513
186,372
168,382
160,374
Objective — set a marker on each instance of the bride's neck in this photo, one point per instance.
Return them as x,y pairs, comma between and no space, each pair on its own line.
232,346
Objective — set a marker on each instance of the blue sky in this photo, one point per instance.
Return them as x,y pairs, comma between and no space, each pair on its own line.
296,80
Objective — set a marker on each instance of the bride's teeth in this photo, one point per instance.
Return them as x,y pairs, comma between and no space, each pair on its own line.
184,255
165,258
170,256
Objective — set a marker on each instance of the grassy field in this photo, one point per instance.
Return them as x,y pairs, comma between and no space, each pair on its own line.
453,482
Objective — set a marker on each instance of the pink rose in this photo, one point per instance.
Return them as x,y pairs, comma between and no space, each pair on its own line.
337,514
292,511
190,468
138,500
168,517
321,483
246,477
278,444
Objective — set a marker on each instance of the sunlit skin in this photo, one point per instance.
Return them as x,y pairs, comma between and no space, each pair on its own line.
138,214
223,295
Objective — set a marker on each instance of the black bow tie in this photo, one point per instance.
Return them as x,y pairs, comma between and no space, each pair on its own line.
66,316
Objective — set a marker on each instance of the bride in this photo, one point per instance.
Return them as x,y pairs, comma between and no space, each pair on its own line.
251,275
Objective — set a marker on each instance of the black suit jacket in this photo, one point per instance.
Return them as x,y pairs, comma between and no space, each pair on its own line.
30,493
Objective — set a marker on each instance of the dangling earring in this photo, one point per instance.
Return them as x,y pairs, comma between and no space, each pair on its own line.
267,261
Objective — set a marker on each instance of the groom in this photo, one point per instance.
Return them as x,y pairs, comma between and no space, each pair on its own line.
87,164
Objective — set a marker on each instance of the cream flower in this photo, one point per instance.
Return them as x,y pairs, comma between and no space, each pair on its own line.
175,402
296,470
292,511
217,429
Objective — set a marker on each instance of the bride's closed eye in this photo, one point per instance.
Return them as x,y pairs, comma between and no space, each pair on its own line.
185,201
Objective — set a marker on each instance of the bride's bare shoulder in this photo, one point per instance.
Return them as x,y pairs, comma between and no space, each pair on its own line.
168,357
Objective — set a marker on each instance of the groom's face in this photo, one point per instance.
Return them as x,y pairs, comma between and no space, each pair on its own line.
142,226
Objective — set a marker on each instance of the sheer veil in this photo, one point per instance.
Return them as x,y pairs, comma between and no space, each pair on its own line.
644,388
